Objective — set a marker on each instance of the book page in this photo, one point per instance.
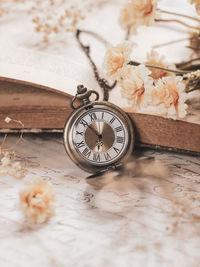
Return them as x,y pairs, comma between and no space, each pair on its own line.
62,65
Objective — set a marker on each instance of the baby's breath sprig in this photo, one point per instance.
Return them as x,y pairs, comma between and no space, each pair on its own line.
48,22
6,6
53,17
8,163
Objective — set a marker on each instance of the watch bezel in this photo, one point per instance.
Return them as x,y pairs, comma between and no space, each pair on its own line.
68,137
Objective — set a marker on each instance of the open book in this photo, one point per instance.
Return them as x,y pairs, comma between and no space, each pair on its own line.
36,87
42,108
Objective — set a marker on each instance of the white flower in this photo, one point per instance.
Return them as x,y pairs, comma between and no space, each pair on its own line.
138,12
168,97
135,84
116,58
197,5
154,59
38,201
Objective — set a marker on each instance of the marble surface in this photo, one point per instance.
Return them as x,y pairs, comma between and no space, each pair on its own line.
155,223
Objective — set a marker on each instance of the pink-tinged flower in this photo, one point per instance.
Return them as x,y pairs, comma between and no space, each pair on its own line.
168,97
197,5
138,12
116,58
38,201
135,84
154,59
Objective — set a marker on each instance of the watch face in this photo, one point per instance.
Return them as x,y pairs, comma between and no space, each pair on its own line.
100,136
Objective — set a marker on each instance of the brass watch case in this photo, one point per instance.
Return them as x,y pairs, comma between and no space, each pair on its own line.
68,136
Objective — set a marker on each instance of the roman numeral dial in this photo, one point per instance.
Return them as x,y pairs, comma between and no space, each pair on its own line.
99,136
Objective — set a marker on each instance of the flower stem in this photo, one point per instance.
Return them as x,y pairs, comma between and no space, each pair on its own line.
193,48
171,42
178,21
159,68
179,15
193,89
185,63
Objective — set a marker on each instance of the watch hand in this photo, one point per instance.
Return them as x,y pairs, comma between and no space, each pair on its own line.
99,144
95,131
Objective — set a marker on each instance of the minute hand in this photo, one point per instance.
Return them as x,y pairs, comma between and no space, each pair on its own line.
96,132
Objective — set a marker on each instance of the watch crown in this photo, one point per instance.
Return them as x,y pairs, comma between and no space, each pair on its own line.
84,94
81,89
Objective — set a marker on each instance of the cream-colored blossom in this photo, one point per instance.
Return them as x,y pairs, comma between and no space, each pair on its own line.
168,97
135,84
38,201
138,12
197,5
116,58
154,59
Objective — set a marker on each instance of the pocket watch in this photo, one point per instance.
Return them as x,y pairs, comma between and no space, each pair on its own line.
98,135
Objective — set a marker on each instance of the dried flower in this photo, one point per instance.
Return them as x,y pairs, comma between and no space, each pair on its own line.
7,119
134,83
154,59
197,5
138,12
17,171
168,97
8,163
17,166
67,17
38,201
116,58
192,80
9,166
7,6
5,161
